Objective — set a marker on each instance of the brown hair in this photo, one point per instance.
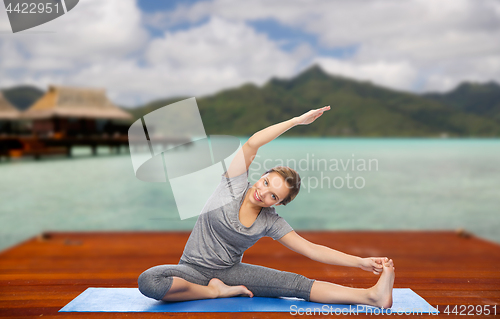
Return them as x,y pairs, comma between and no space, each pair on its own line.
292,179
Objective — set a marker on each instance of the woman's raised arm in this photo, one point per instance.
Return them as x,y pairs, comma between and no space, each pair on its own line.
247,153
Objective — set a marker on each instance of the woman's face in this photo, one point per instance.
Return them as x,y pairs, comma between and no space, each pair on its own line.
269,190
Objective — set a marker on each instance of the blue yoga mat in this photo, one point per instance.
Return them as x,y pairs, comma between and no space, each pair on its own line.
131,300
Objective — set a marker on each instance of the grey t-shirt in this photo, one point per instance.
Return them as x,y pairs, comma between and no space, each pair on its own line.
218,239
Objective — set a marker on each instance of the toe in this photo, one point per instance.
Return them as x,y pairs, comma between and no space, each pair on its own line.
249,293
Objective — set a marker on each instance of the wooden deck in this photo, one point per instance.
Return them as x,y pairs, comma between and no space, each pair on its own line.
40,276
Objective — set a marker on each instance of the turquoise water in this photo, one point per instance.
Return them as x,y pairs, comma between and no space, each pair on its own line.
411,184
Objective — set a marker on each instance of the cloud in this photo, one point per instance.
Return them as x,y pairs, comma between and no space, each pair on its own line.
94,31
222,52
419,45
114,51
444,27
214,56
433,38
217,55
393,74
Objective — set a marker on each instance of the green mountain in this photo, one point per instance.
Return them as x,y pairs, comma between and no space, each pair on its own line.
474,98
357,109
22,97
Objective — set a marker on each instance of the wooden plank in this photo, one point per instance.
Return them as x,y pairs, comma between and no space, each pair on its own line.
44,273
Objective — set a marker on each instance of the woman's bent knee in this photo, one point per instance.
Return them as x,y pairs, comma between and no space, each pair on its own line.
153,284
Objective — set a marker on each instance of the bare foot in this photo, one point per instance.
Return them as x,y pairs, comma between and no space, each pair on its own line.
224,291
381,293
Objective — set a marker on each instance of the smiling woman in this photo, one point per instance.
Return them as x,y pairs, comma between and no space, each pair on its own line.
211,267
284,185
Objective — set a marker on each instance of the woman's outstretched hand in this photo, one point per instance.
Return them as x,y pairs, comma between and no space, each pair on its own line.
373,264
311,116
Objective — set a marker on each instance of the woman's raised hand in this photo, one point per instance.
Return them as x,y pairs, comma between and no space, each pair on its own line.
311,116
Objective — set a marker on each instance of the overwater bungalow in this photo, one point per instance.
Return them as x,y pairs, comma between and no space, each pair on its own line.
65,117
72,112
62,118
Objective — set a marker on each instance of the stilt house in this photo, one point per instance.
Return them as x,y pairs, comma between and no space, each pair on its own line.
69,111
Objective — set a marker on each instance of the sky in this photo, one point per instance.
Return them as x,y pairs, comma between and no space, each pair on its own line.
149,49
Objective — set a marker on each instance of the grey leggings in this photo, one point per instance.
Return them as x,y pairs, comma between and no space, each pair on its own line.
261,281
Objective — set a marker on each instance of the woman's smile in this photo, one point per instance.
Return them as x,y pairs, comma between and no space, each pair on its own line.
255,195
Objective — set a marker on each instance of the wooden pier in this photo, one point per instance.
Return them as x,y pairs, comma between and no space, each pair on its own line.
13,147
41,275
21,146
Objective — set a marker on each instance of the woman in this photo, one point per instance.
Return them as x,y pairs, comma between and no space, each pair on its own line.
238,214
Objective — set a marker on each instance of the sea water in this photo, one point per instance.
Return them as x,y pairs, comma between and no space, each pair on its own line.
347,184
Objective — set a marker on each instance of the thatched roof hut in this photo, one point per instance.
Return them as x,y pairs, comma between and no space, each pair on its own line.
7,110
73,102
